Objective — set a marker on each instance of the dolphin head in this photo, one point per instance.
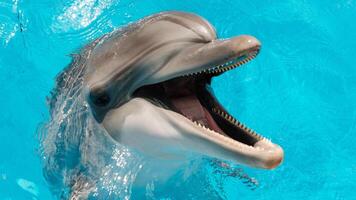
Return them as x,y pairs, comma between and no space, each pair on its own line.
148,84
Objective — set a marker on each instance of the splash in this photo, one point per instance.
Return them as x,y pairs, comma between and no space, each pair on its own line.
10,21
80,14
28,186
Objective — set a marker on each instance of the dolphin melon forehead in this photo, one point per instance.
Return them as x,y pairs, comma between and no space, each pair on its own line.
128,45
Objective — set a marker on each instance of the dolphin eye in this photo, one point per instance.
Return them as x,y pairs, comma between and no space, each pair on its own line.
100,99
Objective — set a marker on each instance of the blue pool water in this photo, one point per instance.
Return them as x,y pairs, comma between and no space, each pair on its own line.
300,91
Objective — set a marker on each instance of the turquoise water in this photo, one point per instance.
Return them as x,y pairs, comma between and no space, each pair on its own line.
300,91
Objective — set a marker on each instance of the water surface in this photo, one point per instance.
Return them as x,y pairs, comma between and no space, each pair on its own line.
300,91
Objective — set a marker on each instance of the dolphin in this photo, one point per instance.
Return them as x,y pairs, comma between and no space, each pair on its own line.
148,85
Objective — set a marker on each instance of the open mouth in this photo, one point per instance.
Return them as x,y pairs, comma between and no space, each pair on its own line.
192,97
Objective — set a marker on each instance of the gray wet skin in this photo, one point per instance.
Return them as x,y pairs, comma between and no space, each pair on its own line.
159,48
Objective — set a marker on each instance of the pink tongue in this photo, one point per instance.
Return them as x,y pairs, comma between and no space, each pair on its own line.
191,108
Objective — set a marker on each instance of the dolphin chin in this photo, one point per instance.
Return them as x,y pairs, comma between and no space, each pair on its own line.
149,86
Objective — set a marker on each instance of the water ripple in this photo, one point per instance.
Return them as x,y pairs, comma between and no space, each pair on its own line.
9,21
80,14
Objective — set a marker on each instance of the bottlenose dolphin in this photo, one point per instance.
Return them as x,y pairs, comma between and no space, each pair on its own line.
149,87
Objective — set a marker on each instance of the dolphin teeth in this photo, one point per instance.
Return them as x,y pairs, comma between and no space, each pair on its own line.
219,135
226,66
237,123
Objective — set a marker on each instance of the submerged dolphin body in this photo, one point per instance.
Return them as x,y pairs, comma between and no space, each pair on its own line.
148,86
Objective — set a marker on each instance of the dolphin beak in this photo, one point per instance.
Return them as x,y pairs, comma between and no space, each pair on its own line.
274,155
263,154
188,90
200,57
244,44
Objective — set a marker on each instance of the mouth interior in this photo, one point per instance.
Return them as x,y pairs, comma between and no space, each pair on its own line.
192,97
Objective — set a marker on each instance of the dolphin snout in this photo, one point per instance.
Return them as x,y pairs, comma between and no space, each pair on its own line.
273,155
244,44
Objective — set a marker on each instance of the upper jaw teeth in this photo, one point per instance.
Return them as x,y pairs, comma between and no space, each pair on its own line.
233,63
